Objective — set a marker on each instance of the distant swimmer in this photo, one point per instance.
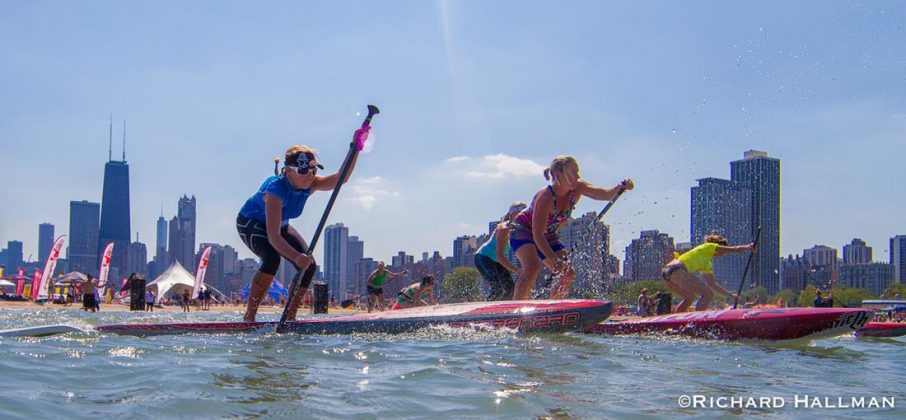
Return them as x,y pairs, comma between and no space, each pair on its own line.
415,294
263,221
490,259
678,273
534,235
375,285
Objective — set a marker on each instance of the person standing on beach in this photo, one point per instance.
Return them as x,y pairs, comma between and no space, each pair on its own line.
88,288
490,259
375,285
263,221
678,273
149,301
186,299
534,235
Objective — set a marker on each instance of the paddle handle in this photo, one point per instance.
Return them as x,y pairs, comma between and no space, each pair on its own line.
746,271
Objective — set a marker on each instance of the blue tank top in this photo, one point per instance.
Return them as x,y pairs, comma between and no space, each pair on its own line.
293,200
489,249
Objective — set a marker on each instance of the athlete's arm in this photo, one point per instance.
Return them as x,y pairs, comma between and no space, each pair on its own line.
502,234
712,283
601,193
723,250
273,211
543,205
329,182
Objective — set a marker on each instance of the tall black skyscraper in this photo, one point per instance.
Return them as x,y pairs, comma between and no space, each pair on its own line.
83,236
45,241
115,221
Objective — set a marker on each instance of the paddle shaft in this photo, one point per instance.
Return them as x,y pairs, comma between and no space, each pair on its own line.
304,276
746,271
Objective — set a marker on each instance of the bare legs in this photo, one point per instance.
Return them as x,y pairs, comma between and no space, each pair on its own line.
260,285
688,286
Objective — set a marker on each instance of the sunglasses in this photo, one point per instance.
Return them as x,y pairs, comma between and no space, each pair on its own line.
303,170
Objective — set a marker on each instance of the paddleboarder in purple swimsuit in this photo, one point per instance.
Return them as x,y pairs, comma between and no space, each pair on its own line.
534,231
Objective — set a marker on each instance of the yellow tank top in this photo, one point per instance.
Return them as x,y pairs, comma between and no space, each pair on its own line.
698,260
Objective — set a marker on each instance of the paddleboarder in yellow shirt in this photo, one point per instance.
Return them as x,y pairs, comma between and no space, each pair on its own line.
678,273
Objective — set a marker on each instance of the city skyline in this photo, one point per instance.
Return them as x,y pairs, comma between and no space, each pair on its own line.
827,103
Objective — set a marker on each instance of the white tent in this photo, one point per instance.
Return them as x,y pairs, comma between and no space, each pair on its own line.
174,279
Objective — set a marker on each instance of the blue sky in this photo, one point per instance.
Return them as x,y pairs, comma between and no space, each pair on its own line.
476,98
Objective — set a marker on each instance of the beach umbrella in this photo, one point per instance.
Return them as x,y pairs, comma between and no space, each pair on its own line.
7,283
276,291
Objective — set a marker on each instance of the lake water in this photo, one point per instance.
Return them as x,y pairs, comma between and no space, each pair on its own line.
433,373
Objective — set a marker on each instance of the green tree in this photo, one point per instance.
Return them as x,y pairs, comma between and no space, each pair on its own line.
847,296
787,297
628,293
893,290
807,297
462,285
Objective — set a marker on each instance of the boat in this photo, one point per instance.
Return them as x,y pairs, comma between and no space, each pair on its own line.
882,329
746,324
524,316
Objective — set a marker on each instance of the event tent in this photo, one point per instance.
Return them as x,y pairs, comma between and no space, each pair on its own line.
174,279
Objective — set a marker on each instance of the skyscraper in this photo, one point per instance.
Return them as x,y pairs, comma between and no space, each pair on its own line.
161,250
136,259
589,251
760,175
115,210
355,251
857,252
464,248
898,257
647,255
181,245
336,248
722,206
84,218
45,241
13,255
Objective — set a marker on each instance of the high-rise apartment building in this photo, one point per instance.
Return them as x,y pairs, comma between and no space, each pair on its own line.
336,249
355,251
45,241
857,252
898,257
721,206
115,223
646,256
181,243
760,175
84,220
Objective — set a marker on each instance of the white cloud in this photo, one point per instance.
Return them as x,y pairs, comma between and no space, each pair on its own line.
367,191
494,167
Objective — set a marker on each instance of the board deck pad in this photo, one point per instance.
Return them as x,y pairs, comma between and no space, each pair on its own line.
524,316
751,324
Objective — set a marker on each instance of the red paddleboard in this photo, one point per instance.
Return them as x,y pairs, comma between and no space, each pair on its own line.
751,324
524,316
882,329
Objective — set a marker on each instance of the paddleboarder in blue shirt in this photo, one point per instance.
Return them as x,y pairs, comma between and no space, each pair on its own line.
263,222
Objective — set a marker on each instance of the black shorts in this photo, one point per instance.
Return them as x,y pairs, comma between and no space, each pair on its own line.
670,269
375,290
499,279
254,235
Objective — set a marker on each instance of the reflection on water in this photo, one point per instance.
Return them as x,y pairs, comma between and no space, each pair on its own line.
435,372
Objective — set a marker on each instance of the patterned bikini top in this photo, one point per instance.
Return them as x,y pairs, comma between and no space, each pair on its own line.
554,220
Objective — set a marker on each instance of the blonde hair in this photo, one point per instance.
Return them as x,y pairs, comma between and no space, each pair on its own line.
714,238
290,152
559,164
